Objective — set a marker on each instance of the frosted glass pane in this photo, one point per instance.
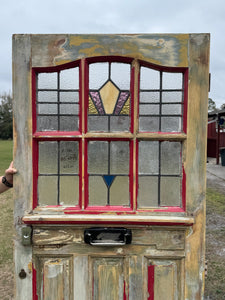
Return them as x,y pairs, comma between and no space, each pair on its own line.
170,124
69,158
98,157
148,109
171,158
147,191
69,97
148,157
149,124
149,97
69,79
69,109
68,123
47,190
97,191
172,80
98,75
98,123
171,109
150,79
49,123
119,123
120,75
119,191
69,190
119,158
170,191
47,81
48,157
47,96
47,109
171,96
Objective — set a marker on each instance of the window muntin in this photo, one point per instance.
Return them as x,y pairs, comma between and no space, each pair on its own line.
58,169
160,174
160,105
58,100
161,101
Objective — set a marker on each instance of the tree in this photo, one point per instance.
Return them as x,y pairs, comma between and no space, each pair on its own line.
6,122
211,105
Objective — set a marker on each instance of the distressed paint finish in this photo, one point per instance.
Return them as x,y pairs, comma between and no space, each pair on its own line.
54,278
21,62
166,240
195,165
165,50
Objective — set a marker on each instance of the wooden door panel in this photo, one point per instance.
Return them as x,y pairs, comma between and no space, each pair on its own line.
54,278
164,279
108,278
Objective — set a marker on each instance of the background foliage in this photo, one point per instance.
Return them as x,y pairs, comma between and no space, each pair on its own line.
6,123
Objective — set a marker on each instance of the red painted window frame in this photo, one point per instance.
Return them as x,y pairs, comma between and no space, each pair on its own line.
77,135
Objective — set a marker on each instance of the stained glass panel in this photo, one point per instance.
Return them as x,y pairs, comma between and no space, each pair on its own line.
110,160
109,96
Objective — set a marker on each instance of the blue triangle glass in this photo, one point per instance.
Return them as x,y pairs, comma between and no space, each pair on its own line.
108,179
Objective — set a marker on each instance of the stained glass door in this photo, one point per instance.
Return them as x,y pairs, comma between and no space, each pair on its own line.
110,135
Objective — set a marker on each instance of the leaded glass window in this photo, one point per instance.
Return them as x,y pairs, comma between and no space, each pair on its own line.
109,135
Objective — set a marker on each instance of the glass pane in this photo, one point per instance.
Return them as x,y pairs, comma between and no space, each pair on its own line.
47,109
120,75
47,190
49,123
69,158
149,124
171,109
68,123
98,157
119,158
69,190
171,124
170,191
98,75
119,123
47,96
150,79
69,109
149,109
69,79
48,158
172,80
172,96
47,80
98,123
149,97
97,191
171,158
69,97
148,157
147,191
119,191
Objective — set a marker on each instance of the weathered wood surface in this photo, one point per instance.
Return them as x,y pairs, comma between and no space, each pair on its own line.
162,239
166,50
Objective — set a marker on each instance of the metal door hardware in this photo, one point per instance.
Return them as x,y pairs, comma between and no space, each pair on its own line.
26,235
107,236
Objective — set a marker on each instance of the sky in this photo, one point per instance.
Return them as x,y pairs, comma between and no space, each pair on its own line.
115,16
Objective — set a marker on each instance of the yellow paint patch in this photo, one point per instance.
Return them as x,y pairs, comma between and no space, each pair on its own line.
109,94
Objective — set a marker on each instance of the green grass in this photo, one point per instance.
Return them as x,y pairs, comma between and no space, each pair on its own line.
6,154
6,207
215,201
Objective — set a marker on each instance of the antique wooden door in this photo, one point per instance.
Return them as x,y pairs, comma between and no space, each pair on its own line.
110,147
